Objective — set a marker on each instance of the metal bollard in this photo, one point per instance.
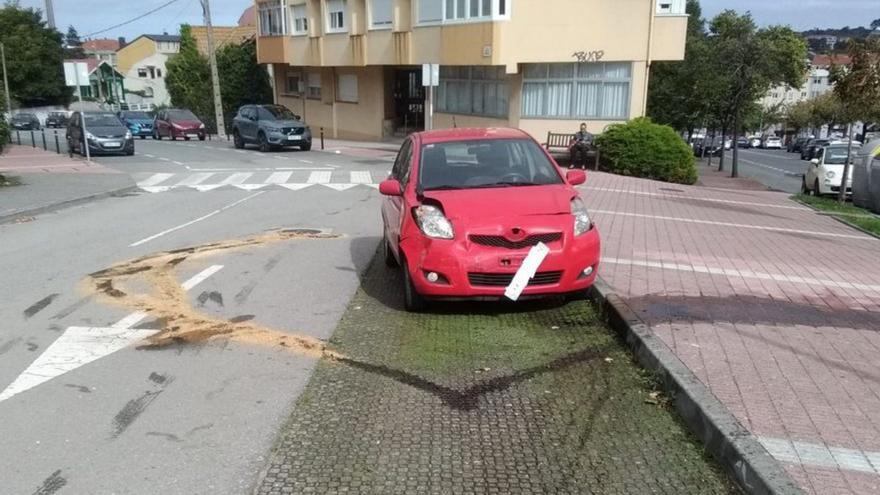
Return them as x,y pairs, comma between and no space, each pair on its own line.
322,138
44,141
18,138
33,139
57,145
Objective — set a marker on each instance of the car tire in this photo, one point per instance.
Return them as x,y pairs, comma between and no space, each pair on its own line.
263,142
237,140
306,147
804,189
129,152
186,138
390,260
201,138
143,137
412,300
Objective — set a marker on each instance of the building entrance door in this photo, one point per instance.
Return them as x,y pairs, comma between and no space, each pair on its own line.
409,100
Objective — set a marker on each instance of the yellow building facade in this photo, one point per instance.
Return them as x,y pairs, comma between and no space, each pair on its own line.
354,67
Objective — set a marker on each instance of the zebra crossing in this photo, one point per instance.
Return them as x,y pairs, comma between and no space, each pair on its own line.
293,180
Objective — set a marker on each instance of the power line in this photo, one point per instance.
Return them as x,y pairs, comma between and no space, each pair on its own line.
169,2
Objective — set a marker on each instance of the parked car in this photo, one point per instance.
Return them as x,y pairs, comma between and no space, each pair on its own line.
178,123
463,209
104,133
795,145
25,122
743,142
708,147
772,143
755,142
139,123
811,147
825,171
56,120
270,126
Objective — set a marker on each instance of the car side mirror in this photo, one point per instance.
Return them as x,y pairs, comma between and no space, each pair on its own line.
390,187
814,161
576,177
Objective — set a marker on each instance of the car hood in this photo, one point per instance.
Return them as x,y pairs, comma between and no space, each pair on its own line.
188,124
116,131
478,204
139,121
285,123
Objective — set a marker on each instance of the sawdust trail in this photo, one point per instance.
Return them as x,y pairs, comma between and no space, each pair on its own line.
168,301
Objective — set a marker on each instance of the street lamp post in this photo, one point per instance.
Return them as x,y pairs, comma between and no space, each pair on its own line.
6,82
215,77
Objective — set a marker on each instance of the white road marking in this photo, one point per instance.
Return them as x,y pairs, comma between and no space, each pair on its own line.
194,179
730,272
205,187
820,455
78,346
165,159
295,187
737,225
306,161
149,155
237,178
257,169
237,151
191,222
155,179
279,177
319,178
177,162
698,198
361,177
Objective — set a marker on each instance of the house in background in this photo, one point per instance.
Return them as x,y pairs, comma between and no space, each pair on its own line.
103,49
143,63
105,84
354,67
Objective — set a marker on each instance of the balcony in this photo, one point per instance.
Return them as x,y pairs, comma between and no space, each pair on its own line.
273,49
671,7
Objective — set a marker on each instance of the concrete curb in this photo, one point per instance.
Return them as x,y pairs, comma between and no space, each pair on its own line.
754,469
66,204
836,217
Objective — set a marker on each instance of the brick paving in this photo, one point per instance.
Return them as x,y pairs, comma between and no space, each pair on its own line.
534,398
774,307
17,159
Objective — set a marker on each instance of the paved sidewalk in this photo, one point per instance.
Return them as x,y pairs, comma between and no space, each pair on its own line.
774,307
49,180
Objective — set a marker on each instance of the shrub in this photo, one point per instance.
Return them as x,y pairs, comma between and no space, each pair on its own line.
641,148
4,133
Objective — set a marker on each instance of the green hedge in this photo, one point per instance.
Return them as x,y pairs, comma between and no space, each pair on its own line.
641,148
4,133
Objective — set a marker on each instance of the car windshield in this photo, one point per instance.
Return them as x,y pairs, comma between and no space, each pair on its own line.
56,114
136,115
23,116
485,163
182,115
835,156
275,112
101,120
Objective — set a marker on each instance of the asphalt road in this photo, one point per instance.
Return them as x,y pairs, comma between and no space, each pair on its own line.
83,409
777,169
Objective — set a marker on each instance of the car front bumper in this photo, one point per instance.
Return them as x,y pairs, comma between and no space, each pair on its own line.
108,145
469,270
141,131
281,139
190,133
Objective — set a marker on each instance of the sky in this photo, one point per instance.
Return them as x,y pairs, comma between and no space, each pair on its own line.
89,16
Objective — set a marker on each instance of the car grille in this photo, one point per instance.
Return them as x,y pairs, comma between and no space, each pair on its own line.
293,130
504,279
502,242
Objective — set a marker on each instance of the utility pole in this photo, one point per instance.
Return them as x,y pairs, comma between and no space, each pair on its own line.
50,14
215,77
6,82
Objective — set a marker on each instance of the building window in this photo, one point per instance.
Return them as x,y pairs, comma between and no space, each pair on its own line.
478,90
336,16
430,11
585,91
671,7
347,88
270,18
300,19
380,14
142,72
435,11
158,72
293,82
314,90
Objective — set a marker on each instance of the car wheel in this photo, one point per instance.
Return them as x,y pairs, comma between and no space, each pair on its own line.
130,152
804,189
202,137
237,141
306,146
143,137
264,143
186,138
412,300
390,260
816,191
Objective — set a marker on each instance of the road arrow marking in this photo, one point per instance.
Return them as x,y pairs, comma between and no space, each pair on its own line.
79,346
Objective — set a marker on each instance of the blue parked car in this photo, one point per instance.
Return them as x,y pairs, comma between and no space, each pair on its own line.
139,123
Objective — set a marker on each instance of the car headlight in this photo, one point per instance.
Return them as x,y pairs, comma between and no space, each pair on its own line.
582,222
829,174
432,222
201,126
127,134
90,136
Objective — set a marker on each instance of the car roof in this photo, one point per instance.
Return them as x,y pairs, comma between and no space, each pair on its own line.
471,134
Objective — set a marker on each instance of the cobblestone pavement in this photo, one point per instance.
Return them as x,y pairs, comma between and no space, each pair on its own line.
538,398
776,308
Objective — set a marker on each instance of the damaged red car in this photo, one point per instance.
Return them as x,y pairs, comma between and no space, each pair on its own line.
467,210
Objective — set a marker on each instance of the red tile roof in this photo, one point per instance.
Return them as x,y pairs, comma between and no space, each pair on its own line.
828,60
247,17
101,45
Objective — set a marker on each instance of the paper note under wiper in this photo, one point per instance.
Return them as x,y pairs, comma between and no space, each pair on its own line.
526,271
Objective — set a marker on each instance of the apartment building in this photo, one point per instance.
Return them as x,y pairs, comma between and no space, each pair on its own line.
354,67
816,83
143,63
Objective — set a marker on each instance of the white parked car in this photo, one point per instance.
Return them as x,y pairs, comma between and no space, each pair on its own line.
825,172
755,142
772,142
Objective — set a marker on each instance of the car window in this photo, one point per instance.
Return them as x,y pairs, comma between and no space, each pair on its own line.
277,112
835,156
101,120
485,163
135,115
264,114
401,163
182,115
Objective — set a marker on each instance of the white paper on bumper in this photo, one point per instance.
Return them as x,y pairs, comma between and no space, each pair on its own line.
526,271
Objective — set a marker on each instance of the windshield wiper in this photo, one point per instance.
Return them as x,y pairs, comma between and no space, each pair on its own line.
509,184
442,188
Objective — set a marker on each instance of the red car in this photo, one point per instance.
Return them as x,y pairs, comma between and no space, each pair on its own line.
176,123
464,208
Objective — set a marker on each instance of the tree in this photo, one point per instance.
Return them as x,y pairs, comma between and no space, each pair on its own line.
875,24
33,58
750,61
188,79
73,45
800,115
242,80
858,89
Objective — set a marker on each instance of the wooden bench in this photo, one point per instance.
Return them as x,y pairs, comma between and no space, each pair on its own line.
556,140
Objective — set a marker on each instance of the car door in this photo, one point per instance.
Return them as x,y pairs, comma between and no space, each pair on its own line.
814,168
162,124
250,124
393,206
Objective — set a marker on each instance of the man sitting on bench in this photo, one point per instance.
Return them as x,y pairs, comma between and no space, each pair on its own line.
580,145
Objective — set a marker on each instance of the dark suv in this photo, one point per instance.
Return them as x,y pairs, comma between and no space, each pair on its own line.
56,119
270,126
25,122
104,133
